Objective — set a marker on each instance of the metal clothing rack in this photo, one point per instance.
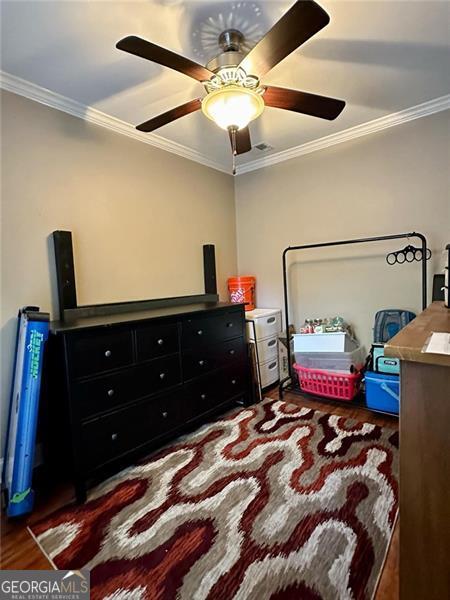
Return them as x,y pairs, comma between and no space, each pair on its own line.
293,386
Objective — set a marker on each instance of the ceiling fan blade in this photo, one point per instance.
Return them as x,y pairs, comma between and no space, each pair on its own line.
162,56
243,142
302,102
170,115
302,21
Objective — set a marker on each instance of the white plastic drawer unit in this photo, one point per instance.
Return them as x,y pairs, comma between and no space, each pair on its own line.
269,372
268,349
267,323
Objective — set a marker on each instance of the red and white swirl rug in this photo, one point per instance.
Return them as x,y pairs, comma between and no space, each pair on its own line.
272,501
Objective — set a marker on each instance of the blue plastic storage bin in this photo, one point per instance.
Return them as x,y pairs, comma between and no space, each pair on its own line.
383,392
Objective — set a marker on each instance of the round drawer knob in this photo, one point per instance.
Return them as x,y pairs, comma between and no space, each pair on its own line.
201,362
114,436
110,393
203,396
108,353
162,375
165,414
160,342
233,381
200,332
229,324
232,352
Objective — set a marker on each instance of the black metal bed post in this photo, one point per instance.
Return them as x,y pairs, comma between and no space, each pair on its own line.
342,243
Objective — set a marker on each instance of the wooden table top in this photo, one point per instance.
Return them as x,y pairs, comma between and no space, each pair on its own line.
408,343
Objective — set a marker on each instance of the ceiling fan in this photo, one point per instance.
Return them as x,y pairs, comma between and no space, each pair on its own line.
234,93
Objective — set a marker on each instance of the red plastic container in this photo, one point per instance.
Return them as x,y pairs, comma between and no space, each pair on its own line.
341,386
242,289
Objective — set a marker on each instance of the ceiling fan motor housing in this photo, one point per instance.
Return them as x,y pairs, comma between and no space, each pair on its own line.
225,59
230,41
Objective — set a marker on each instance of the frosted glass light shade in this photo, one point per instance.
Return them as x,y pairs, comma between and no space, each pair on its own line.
232,106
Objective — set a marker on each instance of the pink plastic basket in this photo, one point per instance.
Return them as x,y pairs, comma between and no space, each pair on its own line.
341,386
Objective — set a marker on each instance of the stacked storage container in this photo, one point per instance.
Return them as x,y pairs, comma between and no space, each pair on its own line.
383,382
266,325
328,364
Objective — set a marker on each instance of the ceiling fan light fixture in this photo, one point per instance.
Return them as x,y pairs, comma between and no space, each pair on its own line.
231,79
233,106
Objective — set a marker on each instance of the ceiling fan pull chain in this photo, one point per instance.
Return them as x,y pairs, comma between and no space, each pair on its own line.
232,132
233,140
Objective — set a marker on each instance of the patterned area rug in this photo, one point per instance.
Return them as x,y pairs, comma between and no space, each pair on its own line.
272,501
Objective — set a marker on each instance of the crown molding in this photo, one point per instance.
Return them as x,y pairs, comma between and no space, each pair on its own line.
34,92
14,84
403,116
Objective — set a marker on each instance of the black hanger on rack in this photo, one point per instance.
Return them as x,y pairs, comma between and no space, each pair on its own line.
408,254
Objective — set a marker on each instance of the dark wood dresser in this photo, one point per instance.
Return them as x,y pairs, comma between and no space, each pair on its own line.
424,458
120,385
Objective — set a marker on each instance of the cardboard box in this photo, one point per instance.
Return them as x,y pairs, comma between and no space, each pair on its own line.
283,353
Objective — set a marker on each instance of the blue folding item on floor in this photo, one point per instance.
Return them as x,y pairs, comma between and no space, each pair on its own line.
383,392
32,333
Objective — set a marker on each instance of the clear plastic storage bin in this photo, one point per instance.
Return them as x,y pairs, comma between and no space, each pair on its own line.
331,361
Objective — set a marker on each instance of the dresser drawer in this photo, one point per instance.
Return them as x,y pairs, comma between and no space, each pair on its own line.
197,361
235,381
95,352
212,390
158,375
104,393
204,331
113,435
110,391
156,340
202,395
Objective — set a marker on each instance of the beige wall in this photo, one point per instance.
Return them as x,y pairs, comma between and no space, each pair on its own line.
390,182
139,216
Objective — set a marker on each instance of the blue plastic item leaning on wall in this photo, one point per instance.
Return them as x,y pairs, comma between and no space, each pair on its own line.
388,323
32,333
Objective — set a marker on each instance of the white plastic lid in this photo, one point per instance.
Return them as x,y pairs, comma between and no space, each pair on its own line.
259,313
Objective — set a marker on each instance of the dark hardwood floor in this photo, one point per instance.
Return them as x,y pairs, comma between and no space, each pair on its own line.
18,550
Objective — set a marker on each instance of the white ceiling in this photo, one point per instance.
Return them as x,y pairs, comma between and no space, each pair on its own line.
380,56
